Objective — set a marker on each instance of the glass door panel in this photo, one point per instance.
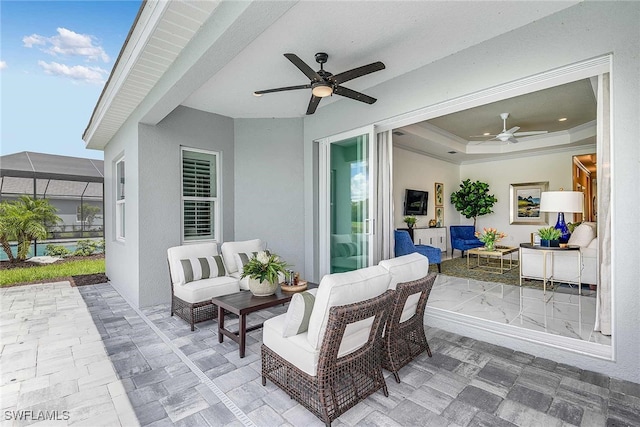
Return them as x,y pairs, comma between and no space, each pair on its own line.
349,203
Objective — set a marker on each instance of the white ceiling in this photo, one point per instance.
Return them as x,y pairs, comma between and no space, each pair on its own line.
449,137
405,35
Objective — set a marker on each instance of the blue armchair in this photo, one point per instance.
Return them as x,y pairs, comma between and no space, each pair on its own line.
463,238
404,246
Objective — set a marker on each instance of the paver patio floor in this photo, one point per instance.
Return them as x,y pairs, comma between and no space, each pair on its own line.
86,355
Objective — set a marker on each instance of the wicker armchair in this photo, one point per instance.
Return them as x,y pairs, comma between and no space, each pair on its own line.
192,301
404,339
341,380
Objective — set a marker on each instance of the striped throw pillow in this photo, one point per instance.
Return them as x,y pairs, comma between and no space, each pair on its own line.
298,314
243,258
202,268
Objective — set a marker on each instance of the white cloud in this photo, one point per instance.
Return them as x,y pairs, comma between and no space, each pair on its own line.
3,65
94,75
359,187
68,43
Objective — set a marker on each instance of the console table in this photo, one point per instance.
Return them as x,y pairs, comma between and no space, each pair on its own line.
550,251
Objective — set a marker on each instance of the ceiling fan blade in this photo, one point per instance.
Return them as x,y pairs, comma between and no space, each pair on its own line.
513,130
357,72
481,136
512,140
313,104
281,89
343,91
532,132
302,66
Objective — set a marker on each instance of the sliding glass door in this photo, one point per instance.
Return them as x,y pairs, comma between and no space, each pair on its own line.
347,201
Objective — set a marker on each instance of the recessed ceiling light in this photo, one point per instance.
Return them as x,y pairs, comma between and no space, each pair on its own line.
487,133
564,119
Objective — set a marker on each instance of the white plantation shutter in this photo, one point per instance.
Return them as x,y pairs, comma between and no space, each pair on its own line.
199,195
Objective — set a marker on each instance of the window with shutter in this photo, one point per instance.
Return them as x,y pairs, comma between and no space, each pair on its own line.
199,195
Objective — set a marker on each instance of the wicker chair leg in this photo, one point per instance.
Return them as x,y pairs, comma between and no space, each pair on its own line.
428,350
397,377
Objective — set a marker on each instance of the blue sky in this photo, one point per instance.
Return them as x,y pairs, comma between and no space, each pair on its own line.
55,57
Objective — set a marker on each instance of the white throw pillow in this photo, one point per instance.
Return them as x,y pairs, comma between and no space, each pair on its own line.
299,312
201,268
582,235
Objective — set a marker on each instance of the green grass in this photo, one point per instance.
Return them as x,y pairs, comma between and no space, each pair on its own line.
51,272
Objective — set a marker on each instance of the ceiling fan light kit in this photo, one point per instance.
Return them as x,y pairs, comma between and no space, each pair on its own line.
322,83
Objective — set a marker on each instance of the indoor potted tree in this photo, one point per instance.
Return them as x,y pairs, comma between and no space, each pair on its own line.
549,237
473,199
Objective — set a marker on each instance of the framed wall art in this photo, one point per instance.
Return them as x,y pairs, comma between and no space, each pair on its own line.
439,190
525,203
439,216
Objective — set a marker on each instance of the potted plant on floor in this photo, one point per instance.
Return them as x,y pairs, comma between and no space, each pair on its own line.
549,237
473,199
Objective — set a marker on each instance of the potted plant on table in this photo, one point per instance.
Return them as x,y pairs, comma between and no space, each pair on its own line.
264,271
549,237
410,221
490,236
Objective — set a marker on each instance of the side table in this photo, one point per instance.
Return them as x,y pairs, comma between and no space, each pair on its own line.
550,251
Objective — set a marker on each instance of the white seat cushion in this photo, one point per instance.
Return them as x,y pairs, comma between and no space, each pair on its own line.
205,289
230,248
243,282
295,349
407,268
341,289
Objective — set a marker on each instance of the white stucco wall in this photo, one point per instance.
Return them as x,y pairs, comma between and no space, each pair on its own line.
268,185
122,265
585,31
419,172
159,189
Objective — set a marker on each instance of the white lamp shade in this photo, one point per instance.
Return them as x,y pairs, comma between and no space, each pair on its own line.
562,201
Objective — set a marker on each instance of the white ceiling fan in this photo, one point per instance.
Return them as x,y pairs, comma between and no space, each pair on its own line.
509,135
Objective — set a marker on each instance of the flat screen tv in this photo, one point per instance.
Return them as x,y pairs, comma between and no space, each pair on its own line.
415,202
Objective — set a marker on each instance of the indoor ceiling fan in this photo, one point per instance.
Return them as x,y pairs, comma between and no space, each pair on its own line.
323,83
509,135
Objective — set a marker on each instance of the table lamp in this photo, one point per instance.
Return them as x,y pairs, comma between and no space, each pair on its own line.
561,202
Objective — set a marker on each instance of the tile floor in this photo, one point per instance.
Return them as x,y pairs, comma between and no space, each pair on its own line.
562,312
164,374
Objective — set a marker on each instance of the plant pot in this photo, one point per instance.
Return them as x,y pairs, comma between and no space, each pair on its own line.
263,289
550,243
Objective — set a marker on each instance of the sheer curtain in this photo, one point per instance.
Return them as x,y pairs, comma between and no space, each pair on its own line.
384,215
603,301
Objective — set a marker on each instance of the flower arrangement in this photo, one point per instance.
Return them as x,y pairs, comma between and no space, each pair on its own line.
410,220
264,266
490,236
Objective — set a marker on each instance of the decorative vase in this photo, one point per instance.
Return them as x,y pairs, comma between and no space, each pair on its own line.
549,243
489,246
263,289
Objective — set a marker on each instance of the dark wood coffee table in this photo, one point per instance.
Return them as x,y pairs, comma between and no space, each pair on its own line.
243,303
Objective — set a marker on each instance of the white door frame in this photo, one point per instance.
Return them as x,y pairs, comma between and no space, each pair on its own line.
324,188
